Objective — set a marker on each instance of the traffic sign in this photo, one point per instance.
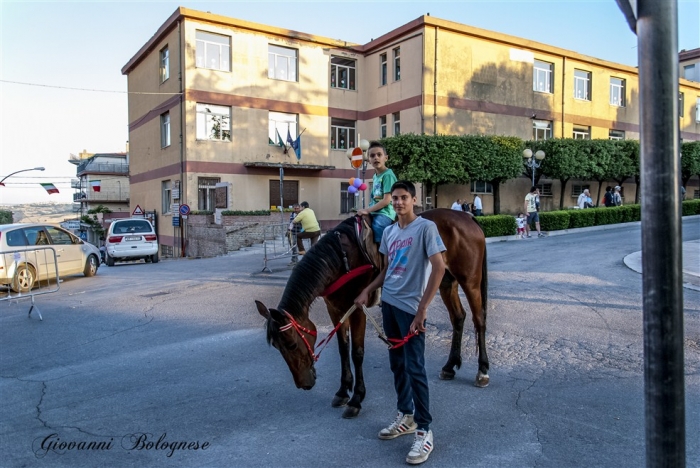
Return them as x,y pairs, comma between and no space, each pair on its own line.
137,211
176,221
184,209
356,159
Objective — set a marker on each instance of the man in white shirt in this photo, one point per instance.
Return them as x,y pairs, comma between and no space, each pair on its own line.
583,199
457,205
477,205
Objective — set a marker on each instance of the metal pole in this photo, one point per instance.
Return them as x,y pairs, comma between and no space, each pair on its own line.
657,31
282,193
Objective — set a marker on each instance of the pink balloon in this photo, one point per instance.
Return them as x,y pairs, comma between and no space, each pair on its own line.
352,189
357,182
363,187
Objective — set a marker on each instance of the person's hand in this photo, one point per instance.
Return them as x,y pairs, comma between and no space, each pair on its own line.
362,212
362,299
418,324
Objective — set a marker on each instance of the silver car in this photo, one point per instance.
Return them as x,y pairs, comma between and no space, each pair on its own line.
26,255
131,239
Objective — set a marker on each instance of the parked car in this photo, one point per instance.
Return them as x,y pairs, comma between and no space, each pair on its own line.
131,239
24,261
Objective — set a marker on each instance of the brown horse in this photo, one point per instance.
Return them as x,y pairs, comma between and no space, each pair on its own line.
290,330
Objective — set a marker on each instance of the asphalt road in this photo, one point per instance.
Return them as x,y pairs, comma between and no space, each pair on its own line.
176,351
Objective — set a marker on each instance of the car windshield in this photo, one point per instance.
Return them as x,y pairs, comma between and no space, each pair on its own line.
133,226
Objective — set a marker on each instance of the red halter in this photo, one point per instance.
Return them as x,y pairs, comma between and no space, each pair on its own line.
299,329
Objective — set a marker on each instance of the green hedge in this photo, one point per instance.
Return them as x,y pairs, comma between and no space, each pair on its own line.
5,217
201,212
582,218
497,225
691,207
245,213
554,220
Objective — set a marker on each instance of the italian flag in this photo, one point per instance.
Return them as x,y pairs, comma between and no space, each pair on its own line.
51,188
95,185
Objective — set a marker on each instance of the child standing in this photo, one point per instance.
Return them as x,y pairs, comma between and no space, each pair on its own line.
520,220
380,207
409,246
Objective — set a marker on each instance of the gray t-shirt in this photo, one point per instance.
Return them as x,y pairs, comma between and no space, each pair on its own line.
408,251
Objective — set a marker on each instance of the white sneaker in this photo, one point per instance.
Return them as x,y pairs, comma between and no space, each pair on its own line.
422,446
403,424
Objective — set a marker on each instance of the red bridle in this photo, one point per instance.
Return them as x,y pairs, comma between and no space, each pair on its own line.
299,329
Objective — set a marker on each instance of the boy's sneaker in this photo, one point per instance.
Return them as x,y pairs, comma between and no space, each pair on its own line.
422,446
403,424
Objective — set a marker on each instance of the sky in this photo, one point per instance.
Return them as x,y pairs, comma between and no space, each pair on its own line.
53,46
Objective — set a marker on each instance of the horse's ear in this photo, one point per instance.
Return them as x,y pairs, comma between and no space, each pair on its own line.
262,310
277,316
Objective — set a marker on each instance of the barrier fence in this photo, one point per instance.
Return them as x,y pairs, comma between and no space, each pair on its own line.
273,249
27,273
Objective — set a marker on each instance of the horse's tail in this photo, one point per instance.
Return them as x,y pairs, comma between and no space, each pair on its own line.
484,284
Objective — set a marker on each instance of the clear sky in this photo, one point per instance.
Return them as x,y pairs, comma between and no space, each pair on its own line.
85,45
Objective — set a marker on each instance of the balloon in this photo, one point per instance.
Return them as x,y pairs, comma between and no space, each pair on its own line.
363,186
351,181
352,189
356,183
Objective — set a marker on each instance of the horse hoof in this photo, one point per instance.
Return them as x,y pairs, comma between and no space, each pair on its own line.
339,402
482,380
351,412
447,375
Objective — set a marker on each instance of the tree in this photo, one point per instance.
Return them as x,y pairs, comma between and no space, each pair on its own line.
565,159
690,161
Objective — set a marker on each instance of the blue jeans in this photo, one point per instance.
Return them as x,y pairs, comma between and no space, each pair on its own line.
408,365
379,223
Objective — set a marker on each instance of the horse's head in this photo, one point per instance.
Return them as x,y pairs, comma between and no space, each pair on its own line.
295,340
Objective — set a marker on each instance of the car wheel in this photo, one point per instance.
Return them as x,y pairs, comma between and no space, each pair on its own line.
90,266
23,281
110,260
154,258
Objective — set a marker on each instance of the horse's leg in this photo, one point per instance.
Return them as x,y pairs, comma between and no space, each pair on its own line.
357,336
449,293
477,305
342,396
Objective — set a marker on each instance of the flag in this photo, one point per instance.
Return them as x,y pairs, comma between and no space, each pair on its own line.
290,142
51,188
296,144
95,185
280,142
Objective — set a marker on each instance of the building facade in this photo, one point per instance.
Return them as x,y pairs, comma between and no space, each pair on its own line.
224,98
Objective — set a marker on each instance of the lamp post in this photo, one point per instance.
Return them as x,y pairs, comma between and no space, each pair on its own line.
533,163
17,172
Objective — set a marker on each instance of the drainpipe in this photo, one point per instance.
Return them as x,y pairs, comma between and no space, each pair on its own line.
183,182
435,83
563,88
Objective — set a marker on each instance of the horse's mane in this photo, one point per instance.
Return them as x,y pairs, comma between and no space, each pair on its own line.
320,263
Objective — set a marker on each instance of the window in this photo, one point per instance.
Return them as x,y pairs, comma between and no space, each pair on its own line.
582,133
59,236
347,200
696,194
616,135
689,73
697,110
291,193
164,64
541,129
342,73
213,122
382,126
542,77
279,124
282,63
582,85
397,122
165,130
206,195
617,92
382,69
342,133
681,104
213,51
166,191
397,63
577,190
545,189
479,186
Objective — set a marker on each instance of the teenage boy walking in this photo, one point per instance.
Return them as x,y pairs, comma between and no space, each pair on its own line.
380,207
409,246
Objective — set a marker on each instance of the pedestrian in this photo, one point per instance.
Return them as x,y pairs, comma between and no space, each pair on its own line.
531,210
380,207
465,207
617,198
477,205
584,200
520,220
608,198
309,225
457,205
409,246
294,229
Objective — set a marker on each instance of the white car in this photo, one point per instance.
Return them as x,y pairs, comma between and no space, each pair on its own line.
26,260
131,239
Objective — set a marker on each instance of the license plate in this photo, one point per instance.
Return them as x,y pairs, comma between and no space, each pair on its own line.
133,238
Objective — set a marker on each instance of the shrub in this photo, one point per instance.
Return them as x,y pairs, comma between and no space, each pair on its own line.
610,215
202,212
5,217
497,225
554,220
691,207
245,213
582,218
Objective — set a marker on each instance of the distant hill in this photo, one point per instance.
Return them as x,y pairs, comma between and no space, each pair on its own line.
40,212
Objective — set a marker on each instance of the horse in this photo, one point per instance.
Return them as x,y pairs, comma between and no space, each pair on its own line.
345,261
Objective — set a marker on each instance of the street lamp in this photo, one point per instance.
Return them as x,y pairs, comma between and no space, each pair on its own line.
533,163
17,172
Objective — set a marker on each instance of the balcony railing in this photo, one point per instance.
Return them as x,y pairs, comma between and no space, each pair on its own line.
93,168
75,183
98,197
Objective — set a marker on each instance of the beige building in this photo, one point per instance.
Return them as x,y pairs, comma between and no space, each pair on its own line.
220,93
